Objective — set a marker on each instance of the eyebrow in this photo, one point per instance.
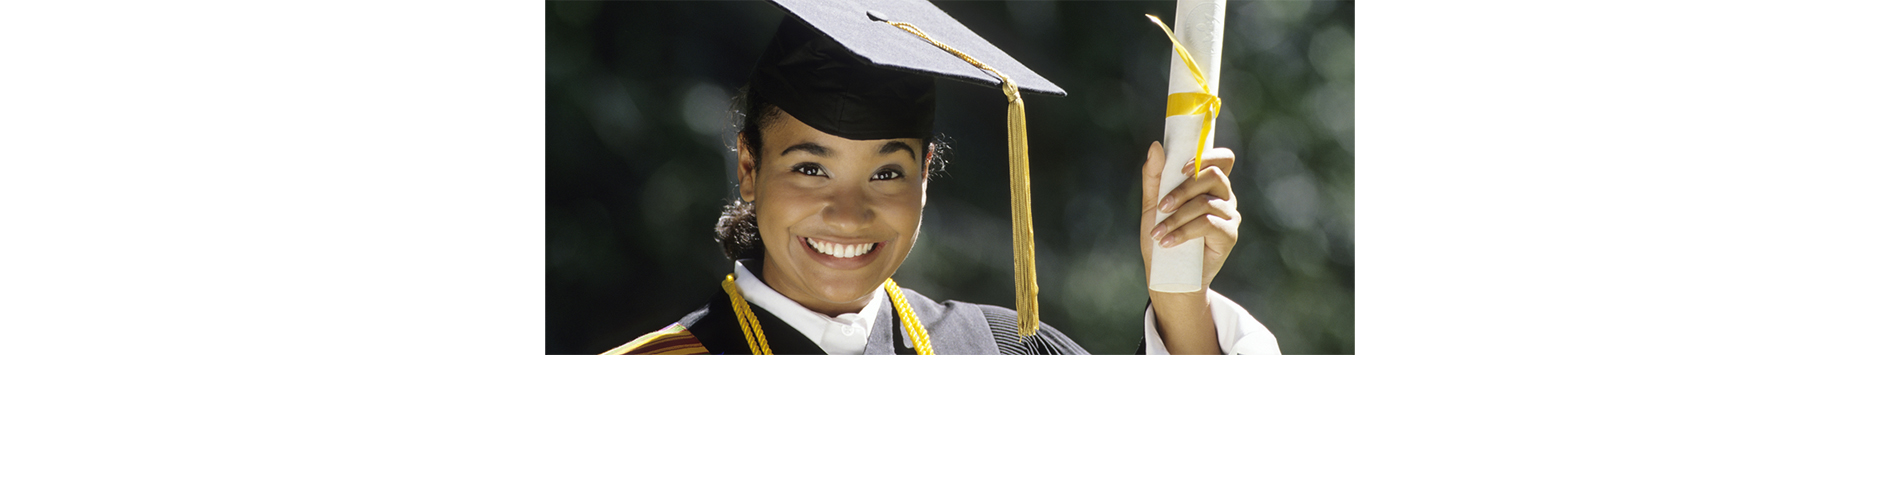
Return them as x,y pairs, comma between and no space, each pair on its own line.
808,147
815,149
893,146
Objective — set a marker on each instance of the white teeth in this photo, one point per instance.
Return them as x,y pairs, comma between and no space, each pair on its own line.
839,250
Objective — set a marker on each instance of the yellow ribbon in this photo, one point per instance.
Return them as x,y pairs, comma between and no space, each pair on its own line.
1203,103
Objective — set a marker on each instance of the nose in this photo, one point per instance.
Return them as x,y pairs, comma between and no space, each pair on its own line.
848,210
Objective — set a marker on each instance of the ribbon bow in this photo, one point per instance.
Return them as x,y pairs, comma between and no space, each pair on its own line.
1203,103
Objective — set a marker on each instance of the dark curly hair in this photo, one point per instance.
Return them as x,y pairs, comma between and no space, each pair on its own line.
738,227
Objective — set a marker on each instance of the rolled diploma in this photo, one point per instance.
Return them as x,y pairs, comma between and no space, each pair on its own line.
1198,24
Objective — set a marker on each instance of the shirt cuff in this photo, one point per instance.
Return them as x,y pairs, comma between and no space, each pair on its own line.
1236,330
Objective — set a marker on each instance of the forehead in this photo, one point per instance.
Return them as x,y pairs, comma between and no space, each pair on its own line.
788,130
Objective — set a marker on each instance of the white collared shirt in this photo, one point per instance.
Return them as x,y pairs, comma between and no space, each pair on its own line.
847,333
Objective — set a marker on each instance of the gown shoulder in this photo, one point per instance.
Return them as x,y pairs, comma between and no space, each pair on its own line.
1003,330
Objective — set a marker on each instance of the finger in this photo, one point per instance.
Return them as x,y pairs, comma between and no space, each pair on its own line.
1151,175
1151,170
1200,206
1211,182
1221,158
1219,232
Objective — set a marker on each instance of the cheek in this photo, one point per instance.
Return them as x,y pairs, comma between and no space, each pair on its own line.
779,209
770,218
907,212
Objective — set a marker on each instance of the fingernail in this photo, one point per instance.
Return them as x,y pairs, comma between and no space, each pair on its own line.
1167,204
1155,233
1167,242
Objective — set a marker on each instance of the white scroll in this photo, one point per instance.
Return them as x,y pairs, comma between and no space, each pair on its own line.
1198,25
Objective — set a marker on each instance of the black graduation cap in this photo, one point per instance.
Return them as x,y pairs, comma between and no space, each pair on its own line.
866,70
839,66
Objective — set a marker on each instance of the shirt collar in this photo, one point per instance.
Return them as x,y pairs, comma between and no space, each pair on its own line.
808,322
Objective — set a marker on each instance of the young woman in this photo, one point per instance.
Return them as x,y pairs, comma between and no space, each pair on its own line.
834,169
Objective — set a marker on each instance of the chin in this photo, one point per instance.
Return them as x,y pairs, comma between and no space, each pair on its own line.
844,289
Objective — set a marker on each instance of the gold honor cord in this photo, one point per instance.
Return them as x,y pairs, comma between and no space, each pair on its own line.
1203,103
915,329
1020,220
755,336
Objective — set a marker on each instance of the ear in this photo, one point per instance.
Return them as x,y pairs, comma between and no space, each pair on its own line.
748,171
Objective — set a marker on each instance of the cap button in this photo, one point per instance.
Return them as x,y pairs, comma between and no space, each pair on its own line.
875,15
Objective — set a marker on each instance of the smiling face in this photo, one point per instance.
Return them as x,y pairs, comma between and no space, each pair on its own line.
836,216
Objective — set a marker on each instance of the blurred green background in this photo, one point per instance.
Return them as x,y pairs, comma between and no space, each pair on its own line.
639,163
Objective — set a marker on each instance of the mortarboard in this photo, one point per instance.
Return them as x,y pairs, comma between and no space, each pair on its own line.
867,70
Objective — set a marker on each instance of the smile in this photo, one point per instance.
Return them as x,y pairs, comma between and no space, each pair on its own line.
840,250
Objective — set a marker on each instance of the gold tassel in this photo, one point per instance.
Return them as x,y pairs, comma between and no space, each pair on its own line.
1020,220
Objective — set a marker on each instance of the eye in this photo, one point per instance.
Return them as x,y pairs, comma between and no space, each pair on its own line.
888,174
811,169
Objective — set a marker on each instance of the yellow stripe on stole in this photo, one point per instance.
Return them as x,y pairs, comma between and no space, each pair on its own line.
649,338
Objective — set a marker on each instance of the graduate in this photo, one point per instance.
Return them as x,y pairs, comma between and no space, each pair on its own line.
834,164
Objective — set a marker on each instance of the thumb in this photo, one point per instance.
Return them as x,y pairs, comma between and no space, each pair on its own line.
1151,175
